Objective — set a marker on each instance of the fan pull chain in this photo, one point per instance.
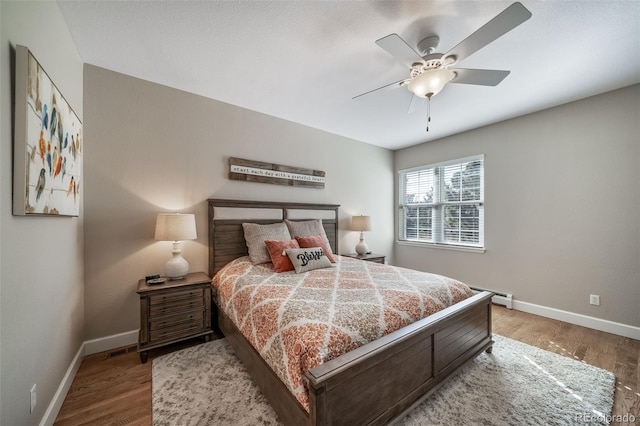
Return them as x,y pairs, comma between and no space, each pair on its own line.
428,111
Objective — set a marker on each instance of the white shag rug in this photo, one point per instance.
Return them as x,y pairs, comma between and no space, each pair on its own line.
517,384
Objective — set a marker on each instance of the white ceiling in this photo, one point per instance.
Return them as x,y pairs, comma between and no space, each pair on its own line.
303,61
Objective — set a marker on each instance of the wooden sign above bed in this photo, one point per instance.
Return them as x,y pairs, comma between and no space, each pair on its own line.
257,171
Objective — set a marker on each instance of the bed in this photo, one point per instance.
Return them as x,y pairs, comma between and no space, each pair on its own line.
375,383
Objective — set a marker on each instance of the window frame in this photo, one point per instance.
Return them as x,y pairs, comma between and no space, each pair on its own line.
438,204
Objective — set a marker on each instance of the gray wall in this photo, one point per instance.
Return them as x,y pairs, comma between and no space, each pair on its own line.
150,148
41,310
562,201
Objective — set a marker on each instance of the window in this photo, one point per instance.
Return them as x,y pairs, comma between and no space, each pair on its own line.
443,203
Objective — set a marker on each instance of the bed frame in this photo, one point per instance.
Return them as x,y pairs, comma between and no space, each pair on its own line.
377,383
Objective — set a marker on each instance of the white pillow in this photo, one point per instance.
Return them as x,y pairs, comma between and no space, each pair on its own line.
306,228
256,234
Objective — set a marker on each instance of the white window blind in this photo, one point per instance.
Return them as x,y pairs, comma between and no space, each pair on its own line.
443,203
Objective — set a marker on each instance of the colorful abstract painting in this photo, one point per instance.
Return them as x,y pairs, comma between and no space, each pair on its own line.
47,146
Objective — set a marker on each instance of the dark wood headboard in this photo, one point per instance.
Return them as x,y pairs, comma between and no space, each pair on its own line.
226,236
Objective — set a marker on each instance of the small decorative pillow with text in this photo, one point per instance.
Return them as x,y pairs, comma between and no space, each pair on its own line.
279,258
317,241
256,234
308,259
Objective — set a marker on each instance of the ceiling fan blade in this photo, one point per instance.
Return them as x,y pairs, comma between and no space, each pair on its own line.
386,86
479,77
399,49
504,22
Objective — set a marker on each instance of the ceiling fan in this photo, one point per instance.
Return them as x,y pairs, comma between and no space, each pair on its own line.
429,72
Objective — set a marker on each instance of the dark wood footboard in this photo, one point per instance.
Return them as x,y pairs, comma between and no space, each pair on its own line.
382,380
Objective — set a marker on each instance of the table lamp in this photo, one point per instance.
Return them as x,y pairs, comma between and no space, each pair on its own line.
176,227
361,223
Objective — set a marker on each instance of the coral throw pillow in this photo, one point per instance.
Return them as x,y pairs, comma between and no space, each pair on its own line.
280,260
317,241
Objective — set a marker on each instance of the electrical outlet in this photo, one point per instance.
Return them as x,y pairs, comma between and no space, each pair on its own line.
594,299
34,398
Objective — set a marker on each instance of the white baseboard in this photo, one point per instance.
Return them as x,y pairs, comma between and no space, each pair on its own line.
110,342
579,319
56,402
504,299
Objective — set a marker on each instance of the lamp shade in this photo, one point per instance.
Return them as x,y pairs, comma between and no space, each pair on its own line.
430,82
361,223
175,227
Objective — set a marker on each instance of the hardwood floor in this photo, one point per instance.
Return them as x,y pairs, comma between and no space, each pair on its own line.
114,388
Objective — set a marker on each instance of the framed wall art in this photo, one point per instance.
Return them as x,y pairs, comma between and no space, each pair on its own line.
47,155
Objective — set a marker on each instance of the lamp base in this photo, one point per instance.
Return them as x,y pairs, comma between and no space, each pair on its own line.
177,267
361,247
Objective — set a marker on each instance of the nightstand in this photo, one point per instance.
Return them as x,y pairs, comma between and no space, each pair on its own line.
371,257
173,311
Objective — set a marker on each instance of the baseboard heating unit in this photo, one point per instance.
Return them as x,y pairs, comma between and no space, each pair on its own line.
502,299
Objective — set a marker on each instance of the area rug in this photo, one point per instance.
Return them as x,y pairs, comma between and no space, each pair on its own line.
517,384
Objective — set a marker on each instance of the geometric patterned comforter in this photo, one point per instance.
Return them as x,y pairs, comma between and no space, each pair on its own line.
298,321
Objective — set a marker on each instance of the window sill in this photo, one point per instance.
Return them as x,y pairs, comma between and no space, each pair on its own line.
441,246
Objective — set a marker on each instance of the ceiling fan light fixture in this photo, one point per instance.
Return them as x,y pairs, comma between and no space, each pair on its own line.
430,82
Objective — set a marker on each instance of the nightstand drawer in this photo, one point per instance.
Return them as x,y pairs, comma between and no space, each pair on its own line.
170,333
177,297
181,306
176,320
